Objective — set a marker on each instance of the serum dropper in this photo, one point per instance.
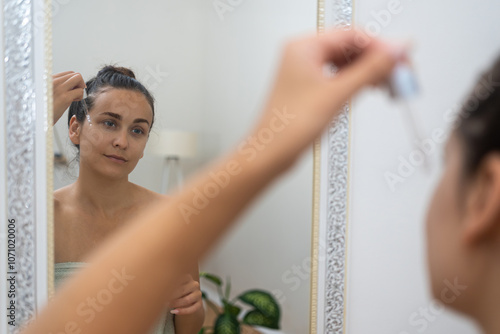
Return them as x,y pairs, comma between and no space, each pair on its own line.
403,88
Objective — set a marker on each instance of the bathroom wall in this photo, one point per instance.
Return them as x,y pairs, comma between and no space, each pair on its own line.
387,283
270,247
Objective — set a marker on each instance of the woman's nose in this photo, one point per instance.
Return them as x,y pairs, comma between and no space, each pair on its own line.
121,140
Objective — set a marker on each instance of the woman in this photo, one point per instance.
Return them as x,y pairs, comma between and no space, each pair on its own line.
463,223
110,129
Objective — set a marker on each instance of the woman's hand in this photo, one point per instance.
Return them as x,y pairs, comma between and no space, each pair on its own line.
68,87
305,99
187,298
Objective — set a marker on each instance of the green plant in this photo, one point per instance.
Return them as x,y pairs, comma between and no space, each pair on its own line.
266,311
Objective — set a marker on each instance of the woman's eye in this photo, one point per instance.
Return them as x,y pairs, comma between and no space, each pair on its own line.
138,131
109,123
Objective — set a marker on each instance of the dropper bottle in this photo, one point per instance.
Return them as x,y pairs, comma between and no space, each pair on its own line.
403,88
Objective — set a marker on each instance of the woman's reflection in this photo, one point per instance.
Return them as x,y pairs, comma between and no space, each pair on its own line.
110,129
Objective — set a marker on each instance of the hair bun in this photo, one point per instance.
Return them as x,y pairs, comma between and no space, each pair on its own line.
110,70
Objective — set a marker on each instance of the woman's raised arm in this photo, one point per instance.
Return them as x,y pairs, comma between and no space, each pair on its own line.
130,276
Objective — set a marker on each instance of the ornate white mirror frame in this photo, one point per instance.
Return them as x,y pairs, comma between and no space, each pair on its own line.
26,174
26,169
331,162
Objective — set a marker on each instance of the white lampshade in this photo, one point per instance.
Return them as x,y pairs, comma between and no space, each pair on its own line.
173,143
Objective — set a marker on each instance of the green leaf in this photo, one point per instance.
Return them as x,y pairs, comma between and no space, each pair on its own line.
256,318
263,302
231,309
226,324
212,278
202,330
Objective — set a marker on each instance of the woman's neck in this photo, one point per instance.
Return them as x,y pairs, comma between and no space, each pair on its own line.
485,308
488,313
101,193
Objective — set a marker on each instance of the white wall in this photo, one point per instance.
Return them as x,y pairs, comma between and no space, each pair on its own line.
387,281
273,238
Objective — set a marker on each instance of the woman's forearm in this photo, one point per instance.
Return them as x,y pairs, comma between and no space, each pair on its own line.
189,324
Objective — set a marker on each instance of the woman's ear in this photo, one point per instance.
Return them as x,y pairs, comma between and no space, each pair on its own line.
74,130
482,208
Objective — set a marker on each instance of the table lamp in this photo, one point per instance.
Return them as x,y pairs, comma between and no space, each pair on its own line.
173,145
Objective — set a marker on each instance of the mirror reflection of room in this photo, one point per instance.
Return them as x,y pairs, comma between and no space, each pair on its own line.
198,88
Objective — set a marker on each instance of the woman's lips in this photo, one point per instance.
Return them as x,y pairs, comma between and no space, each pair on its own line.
116,158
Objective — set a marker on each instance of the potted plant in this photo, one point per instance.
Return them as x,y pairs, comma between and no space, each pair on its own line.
264,310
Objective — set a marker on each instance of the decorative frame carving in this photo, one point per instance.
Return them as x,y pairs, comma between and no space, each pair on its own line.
26,148
330,202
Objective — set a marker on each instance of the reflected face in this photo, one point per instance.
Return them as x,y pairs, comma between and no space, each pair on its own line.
114,140
445,249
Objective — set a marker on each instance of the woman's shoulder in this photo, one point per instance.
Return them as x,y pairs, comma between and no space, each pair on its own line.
61,197
149,196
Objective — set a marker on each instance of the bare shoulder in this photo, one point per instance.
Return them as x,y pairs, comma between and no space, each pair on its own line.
65,208
149,197
61,198
64,217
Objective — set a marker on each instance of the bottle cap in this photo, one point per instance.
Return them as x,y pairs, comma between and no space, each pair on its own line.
402,83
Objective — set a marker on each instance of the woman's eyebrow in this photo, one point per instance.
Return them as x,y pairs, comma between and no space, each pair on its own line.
141,120
112,114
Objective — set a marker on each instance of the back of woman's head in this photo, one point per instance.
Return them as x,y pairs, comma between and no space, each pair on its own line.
109,77
478,123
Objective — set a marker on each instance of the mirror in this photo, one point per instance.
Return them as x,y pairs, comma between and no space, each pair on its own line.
190,55
25,173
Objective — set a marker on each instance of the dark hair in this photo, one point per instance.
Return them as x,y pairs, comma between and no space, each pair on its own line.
478,123
109,76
